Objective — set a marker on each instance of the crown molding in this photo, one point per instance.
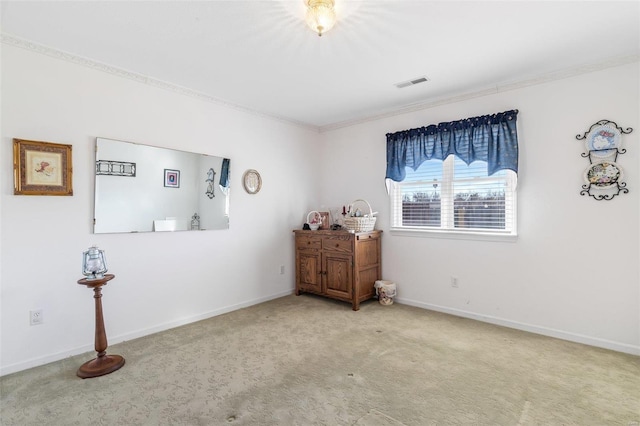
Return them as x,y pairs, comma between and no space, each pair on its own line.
505,87
140,78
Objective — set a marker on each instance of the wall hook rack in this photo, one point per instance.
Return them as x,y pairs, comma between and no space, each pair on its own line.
617,189
603,143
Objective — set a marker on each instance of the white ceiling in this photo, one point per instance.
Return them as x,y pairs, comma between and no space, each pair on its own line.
259,55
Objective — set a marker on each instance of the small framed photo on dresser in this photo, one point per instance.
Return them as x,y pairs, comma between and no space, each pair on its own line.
326,220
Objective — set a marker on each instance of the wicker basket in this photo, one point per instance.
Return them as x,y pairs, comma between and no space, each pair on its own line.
361,224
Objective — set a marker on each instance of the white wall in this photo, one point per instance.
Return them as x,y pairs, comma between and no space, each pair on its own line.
573,273
162,279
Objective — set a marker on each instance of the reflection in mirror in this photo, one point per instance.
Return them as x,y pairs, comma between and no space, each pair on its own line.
133,192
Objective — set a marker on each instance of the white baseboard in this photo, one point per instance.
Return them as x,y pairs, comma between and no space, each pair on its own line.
572,337
36,362
559,334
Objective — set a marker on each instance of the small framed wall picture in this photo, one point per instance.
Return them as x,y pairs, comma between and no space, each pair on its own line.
172,178
42,168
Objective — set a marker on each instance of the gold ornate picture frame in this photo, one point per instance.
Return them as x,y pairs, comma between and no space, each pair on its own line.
42,168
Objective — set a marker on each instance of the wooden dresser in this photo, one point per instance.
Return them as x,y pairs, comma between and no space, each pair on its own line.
338,264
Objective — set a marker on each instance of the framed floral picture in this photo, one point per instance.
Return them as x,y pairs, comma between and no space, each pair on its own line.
42,168
172,178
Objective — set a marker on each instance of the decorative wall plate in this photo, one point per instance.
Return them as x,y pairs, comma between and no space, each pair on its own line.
603,175
252,181
603,140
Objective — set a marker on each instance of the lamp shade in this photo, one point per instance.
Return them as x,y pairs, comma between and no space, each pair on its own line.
321,15
94,263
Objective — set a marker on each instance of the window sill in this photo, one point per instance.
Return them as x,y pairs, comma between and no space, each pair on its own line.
455,235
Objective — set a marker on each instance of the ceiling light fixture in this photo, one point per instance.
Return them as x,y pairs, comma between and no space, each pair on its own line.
321,15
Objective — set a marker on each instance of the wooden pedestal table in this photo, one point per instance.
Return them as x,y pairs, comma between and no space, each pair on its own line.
103,364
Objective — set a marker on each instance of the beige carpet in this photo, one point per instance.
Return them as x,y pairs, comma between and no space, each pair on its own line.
312,361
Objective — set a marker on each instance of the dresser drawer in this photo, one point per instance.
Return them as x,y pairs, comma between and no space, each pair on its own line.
306,243
338,243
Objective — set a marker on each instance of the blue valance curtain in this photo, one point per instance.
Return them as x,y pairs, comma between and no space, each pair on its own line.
224,176
491,138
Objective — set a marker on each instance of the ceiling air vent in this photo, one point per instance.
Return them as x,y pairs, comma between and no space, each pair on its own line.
413,82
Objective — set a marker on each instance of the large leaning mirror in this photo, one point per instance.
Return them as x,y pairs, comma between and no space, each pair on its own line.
142,188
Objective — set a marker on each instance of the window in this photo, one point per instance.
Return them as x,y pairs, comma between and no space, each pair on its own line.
455,178
452,197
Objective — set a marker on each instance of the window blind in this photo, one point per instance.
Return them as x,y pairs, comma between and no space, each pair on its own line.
452,196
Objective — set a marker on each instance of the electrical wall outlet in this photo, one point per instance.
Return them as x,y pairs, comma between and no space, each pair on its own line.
454,282
36,317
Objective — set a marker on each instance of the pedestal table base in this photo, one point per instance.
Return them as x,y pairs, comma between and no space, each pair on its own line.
103,363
